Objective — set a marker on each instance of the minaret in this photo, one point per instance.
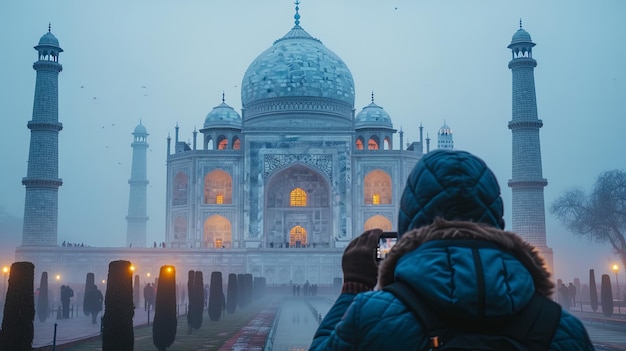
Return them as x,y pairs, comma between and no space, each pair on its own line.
42,178
527,182
137,198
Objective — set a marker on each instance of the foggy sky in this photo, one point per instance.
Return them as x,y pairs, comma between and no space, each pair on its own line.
167,62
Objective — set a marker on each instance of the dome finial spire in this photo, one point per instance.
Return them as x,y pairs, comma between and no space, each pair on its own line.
223,97
49,27
372,95
297,15
520,23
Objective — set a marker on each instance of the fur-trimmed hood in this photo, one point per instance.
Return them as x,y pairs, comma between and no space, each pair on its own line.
438,262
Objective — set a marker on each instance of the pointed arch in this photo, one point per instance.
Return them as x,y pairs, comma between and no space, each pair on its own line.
359,143
377,188
218,188
180,189
236,143
377,221
222,143
217,232
297,236
387,143
373,143
180,228
280,216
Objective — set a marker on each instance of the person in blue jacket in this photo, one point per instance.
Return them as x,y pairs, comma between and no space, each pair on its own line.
448,195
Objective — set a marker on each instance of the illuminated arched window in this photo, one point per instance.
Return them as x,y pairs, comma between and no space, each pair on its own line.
297,236
378,221
218,183
376,199
223,145
359,144
297,197
372,145
377,188
237,144
217,232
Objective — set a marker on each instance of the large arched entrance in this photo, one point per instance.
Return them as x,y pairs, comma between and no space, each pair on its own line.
297,208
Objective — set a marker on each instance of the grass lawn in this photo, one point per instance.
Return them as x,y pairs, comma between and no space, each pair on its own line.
210,336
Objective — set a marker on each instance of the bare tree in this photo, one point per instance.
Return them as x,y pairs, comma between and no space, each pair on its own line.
601,215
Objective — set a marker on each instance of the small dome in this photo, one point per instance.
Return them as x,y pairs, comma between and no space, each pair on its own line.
222,116
521,36
445,129
49,39
140,129
373,115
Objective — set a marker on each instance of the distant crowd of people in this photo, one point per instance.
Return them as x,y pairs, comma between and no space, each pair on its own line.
68,244
307,289
567,295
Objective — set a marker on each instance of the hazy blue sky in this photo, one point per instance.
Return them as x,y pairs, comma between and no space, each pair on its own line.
426,61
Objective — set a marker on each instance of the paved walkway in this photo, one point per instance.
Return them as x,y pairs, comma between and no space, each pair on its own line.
294,328
74,329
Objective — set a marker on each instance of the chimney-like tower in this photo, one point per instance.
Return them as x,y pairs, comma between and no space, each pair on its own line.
137,199
42,180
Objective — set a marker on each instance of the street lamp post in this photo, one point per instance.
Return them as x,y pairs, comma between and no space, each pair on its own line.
615,269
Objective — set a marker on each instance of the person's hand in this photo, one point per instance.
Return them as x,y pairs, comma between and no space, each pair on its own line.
358,261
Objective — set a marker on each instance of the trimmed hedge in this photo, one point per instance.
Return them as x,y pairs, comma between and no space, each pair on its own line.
231,294
17,331
606,296
89,282
43,302
216,297
117,322
593,291
165,320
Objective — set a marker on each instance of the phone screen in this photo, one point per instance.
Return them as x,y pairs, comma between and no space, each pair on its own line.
385,243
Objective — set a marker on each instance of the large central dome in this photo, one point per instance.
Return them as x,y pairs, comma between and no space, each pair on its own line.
297,65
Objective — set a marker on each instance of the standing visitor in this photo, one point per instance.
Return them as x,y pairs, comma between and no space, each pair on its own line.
456,260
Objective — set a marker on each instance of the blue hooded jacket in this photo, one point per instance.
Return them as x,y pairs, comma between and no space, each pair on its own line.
448,195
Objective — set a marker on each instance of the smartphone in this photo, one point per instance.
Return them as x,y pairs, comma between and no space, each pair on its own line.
385,243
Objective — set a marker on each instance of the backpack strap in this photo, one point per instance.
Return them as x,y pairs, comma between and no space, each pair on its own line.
534,326
432,323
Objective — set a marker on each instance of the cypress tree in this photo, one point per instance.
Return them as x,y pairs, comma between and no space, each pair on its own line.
117,322
17,331
593,291
191,308
248,283
89,282
241,291
198,296
136,291
606,296
165,321
216,297
43,304
231,294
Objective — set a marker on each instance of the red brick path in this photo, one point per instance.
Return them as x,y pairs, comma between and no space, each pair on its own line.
254,335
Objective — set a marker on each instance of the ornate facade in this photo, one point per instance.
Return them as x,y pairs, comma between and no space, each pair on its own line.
298,167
